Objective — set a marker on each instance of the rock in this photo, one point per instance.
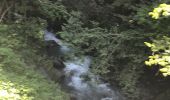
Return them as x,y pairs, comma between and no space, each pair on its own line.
58,64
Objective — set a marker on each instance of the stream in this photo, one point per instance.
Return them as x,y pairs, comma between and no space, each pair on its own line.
82,83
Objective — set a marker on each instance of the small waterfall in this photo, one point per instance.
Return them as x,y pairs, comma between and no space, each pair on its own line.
48,36
83,84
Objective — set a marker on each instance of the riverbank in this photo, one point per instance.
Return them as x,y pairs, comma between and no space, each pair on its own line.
21,78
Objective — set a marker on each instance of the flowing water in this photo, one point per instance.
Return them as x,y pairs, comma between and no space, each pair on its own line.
83,84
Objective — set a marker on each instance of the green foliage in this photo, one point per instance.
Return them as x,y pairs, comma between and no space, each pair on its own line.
117,55
28,29
107,13
111,31
142,17
10,62
53,10
160,55
20,79
19,10
160,46
163,10
154,21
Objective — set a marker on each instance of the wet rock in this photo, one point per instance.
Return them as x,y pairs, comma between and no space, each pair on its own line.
73,97
52,48
58,64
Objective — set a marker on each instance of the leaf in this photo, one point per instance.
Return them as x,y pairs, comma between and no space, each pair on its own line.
163,70
148,44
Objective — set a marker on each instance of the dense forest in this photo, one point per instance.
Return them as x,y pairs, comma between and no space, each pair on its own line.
127,40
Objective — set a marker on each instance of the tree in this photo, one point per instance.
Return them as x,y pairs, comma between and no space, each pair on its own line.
160,47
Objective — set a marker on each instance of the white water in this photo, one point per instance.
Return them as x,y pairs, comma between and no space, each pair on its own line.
48,36
91,89
84,84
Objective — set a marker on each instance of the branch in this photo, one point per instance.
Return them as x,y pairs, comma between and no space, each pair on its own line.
4,13
1,8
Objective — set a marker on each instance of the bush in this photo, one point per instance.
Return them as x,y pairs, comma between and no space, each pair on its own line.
160,46
117,55
20,78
